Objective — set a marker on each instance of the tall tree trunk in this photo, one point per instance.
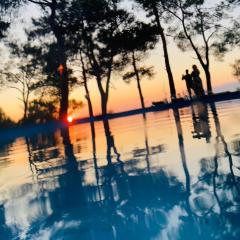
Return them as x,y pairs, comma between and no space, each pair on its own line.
138,80
64,95
140,93
204,65
166,56
104,105
25,111
26,103
207,49
103,96
90,108
64,85
104,92
208,79
107,88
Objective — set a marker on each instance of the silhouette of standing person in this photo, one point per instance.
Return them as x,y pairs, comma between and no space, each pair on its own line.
189,82
197,82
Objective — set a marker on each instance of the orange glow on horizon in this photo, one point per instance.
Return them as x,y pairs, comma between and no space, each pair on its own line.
124,96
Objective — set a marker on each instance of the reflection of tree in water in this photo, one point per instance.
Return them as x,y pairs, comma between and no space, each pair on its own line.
32,165
216,194
182,151
67,195
136,205
236,147
94,152
4,153
212,204
110,144
43,153
146,143
70,183
221,140
112,173
5,231
201,121
190,228
147,151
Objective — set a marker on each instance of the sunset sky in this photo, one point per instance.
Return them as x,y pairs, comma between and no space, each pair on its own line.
125,96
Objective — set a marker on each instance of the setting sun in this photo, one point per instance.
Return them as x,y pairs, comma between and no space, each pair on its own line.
70,119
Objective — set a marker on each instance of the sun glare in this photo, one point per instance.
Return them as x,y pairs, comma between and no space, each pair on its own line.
70,119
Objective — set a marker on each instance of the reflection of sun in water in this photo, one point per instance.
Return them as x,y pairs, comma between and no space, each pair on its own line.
69,119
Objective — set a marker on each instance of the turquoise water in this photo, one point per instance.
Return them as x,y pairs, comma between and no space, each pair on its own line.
166,175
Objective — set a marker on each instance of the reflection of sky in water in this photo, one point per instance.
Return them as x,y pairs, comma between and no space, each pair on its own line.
166,175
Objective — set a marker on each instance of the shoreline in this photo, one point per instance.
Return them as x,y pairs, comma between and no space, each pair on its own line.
8,135
160,106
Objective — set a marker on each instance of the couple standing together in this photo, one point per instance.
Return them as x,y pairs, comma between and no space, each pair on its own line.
194,82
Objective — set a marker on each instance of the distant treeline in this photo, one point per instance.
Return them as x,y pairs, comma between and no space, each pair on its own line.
73,42
5,122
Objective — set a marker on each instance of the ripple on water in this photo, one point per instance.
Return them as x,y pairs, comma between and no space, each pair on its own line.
173,174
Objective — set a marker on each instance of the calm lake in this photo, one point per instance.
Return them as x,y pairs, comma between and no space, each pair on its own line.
167,175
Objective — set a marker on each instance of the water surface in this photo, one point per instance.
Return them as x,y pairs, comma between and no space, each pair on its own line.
165,175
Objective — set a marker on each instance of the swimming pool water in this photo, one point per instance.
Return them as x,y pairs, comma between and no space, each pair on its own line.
164,175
